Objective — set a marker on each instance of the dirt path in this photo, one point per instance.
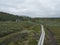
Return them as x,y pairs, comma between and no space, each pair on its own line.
51,36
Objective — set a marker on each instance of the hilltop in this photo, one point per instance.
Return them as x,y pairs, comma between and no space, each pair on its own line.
11,17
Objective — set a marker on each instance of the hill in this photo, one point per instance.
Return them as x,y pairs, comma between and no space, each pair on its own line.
27,30
10,17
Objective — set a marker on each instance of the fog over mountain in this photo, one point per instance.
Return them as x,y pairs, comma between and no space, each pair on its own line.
32,8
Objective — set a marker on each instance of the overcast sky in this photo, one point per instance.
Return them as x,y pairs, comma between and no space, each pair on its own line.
32,8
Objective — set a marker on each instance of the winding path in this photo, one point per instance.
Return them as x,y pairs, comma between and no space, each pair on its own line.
41,40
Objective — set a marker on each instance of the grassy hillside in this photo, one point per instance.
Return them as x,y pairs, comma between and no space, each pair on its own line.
21,33
27,30
10,17
24,33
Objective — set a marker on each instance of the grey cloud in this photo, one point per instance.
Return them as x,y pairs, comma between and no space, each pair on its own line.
33,8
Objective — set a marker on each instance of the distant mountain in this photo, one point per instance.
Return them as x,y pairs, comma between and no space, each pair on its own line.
10,17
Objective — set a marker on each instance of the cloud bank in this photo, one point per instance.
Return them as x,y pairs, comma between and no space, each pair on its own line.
32,8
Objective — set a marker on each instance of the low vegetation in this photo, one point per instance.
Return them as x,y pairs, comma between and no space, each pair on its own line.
22,30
